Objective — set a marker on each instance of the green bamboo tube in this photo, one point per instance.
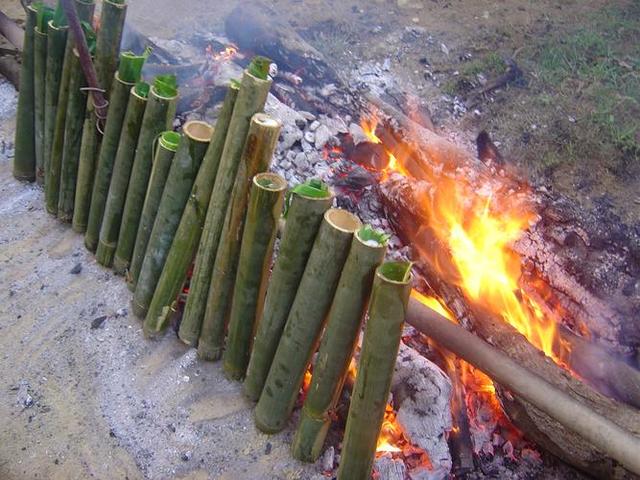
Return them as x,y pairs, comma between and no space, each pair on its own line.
258,236
257,155
108,41
190,229
390,294
251,99
158,117
338,342
72,138
52,185
184,168
303,221
167,145
56,42
120,177
24,161
306,319
39,85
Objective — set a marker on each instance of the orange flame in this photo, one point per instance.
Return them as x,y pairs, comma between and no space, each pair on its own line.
478,224
390,434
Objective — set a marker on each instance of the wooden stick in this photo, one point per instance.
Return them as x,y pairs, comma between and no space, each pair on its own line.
617,442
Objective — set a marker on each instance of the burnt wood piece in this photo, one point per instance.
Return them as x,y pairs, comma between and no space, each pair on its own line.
560,413
11,31
255,27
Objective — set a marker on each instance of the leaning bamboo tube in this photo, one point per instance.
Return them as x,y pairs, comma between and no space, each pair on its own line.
158,117
108,41
24,160
72,138
52,185
306,319
254,263
39,85
250,99
256,157
118,100
167,145
338,342
56,42
194,143
303,221
611,438
390,294
120,177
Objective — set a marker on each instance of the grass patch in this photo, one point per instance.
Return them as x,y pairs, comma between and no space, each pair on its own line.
490,65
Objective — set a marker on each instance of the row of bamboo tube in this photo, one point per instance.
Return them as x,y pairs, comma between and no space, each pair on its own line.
151,202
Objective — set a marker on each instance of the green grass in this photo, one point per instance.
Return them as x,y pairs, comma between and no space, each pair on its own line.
490,65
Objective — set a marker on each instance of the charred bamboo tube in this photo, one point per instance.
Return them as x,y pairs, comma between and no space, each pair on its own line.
52,185
304,217
258,151
614,440
194,143
254,262
120,177
250,99
158,117
39,82
56,42
72,138
24,161
167,146
338,342
306,319
387,309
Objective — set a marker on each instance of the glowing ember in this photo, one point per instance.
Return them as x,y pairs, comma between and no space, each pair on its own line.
227,54
390,434
478,224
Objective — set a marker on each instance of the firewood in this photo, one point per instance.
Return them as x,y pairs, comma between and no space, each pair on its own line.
11,31
304,216
258,151
566,417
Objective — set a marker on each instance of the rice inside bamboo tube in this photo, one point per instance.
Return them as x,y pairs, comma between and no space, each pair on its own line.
387,309
303,218
72,139
184,168
167,145
256,157
305,321
125,79
254,263
24,160
52,182
39,79
121,173
251,99
158,117
56,42
367,251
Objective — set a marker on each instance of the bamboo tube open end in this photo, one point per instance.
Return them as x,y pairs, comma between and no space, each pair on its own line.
37,31
61,28
114,4
198,130
116,75
342,220
154,91
170,140
270,181
265,120
395,272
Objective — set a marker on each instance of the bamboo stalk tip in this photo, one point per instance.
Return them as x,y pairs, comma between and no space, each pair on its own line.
198,130
342,220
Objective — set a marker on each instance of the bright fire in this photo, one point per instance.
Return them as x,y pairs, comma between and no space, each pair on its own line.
228,53
478,224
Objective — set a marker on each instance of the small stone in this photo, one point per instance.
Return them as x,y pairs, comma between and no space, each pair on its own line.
301,162
121,312
314,125
322,136
186,456
98,322
76,269
267,449
301,123
309,137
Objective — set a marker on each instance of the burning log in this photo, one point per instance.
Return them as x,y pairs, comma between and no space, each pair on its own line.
84,10
24,160
72,138
367,251
121,173
256,157
194,143
125,79
40,38
56,43
158,117
254,262
306,319
304,215
586,429
254,89
380,345
162,159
